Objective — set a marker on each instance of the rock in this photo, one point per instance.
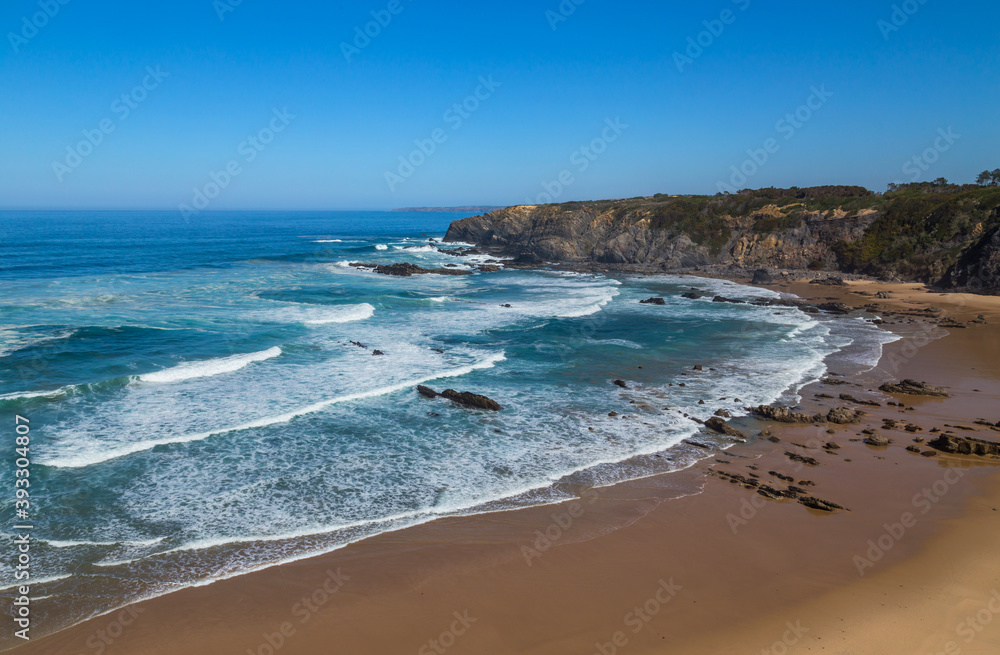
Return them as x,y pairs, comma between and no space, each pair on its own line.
833,381
488,268
913,449
913,428
506,305
698,367
835,308
427,392
877,440
832,281
822,505
808,461
949,443
914,388
718,425
729,300
359,345
690,295
929,453
620,383
851,399
844,416
472,400
831,446
884,295
407,270
613,414
377,352
653,301
786,478
723,413
762,276
783,415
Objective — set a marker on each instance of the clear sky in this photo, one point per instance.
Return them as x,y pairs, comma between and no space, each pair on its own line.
260,104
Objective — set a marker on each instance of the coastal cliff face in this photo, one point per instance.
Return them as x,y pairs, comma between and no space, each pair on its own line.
951,239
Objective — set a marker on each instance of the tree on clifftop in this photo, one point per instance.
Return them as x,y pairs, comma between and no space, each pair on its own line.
989,178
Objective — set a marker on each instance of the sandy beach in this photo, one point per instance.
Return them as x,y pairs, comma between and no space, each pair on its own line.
907,567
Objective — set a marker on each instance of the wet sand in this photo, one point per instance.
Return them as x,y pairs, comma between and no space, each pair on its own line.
636,569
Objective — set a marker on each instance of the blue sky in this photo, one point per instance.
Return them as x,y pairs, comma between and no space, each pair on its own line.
257,105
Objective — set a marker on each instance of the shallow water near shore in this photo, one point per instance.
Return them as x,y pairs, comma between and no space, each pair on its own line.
200,406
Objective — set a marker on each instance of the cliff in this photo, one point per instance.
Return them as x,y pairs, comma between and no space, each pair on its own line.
947,236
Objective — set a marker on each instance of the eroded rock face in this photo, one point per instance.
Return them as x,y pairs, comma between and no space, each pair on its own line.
913,388
949,443
978,270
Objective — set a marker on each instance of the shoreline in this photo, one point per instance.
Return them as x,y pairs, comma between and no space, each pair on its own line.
458,557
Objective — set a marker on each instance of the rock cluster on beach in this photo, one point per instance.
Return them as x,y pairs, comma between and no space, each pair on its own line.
913,388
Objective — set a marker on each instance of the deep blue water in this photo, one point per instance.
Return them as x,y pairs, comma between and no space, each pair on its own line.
198,409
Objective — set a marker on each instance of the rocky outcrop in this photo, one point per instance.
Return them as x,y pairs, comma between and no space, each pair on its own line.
978,270
465,398
407,270
949,443
783,415
716,424
844,416
913,388
653,301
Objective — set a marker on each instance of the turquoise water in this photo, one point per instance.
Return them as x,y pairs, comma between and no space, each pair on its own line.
198,409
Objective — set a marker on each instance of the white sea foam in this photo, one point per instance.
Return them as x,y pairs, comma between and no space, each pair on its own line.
90,457
74,544
319,314
416,248
328,241
210,367
381,246
36,394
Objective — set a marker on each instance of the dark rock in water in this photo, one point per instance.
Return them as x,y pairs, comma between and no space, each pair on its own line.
718,425
433,415
472,400
835,308
653,301
783,415
762,276
832,281
359,345
507,305
698,367
877,440
525,260
817,503
914,388
729,300
407,270
723,413
427,392
487,268
844,416
377,352
948,443
621,383
690,295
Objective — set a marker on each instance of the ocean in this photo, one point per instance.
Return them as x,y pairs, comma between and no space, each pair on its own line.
200,407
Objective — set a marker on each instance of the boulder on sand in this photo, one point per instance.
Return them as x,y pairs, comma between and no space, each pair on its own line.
913,388
762,276
716,424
